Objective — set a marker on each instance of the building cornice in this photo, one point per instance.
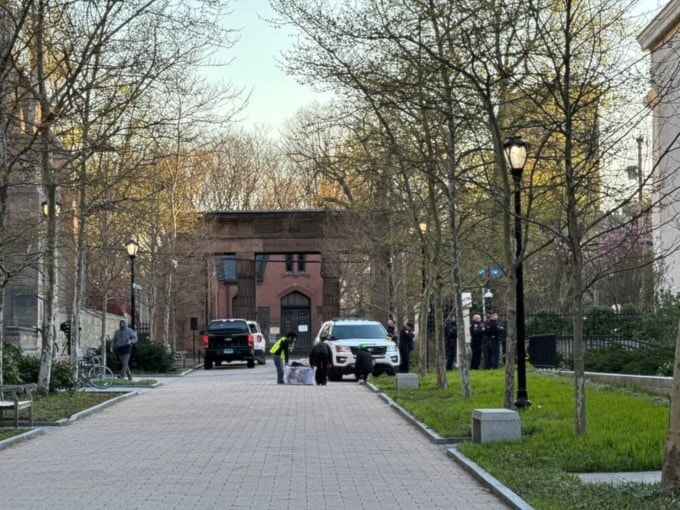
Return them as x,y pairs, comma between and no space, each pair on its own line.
661,27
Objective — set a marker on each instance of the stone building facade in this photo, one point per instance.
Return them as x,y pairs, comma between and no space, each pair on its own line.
661,39
277,267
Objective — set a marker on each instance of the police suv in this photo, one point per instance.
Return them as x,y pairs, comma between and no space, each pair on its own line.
344,336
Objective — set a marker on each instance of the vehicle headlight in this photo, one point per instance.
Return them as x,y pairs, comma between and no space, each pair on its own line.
342,348
391,347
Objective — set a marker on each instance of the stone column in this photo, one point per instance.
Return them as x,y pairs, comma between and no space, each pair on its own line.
245,273
330,305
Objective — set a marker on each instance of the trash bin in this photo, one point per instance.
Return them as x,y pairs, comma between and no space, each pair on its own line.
543,351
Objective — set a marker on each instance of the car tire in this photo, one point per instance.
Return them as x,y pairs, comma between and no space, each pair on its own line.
251,363
207,364
261,358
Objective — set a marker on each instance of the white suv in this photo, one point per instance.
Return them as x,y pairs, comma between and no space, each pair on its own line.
259,343
344,336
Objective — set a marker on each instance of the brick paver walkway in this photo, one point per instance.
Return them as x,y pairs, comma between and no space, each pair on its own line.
232,438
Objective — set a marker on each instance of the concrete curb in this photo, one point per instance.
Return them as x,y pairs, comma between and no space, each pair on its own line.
101,406
492,483
6,443
488,480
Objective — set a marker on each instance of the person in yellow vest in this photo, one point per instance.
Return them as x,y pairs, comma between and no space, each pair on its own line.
280,352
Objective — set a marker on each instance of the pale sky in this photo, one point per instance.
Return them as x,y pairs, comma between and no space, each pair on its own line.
275,96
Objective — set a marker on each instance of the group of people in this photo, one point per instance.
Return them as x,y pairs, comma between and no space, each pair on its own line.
320,357
485,340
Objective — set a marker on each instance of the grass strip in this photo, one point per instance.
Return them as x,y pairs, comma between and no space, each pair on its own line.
625,432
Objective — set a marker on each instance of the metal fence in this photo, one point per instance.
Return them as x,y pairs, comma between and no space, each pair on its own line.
546,351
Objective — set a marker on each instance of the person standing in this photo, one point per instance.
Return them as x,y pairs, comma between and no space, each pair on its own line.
123,340
406,346
280,352
321,358
476,340
494,334
392,330
451,337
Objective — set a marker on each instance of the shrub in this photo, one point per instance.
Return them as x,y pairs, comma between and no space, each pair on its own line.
549,323
617,360
11,358
151,357
146,356
62,374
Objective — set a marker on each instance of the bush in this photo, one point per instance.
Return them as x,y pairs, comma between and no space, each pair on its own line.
62,374
11,358
146,357
152,357
548,323
617,360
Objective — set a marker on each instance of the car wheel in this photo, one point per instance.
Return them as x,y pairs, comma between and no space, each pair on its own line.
251,363
207,363
261,358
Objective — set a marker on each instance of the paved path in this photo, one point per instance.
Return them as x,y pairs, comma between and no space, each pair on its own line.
232,438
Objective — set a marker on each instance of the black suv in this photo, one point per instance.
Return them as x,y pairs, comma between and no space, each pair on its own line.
228,340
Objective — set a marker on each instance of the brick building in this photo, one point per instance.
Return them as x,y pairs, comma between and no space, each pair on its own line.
277,267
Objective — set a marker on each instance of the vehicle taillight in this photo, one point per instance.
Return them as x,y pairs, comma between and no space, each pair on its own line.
205,341
251,340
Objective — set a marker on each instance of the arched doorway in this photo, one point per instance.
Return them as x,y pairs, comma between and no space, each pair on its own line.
295,316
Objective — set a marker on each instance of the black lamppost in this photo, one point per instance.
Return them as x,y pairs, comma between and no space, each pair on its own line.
516,156
132,247
423,286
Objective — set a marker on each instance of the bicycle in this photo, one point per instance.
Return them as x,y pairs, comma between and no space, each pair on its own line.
92,372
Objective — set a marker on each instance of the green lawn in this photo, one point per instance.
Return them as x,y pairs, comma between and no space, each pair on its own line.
626,432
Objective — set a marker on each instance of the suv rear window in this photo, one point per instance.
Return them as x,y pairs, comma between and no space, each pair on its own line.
228,327
349,331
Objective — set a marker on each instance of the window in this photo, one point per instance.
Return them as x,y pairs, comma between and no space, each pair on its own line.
226,269
301,262
289,263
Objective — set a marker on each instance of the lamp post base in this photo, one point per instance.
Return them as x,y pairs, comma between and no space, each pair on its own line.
522,400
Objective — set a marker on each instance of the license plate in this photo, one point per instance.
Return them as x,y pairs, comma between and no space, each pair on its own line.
228,351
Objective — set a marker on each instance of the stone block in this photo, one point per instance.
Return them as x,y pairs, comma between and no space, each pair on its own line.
405,381
495,425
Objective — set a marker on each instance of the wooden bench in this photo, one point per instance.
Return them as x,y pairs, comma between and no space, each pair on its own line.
14,404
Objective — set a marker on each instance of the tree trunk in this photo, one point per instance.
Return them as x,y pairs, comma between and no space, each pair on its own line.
670,471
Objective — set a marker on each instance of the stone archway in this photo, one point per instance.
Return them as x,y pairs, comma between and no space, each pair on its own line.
259,257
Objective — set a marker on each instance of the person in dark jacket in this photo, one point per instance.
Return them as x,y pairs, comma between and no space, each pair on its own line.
494,334
280,353
451,338
363,364
123,341
476,340
406,346
392,330
321,357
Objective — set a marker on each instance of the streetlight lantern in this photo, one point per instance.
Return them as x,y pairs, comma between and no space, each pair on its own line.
132,247
46,208
516,157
